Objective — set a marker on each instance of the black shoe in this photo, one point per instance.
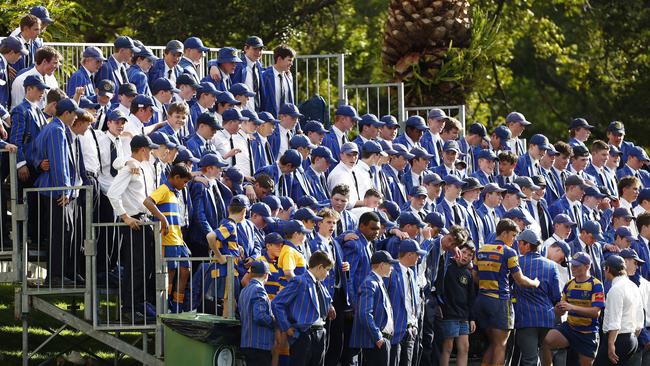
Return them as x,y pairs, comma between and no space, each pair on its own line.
58,282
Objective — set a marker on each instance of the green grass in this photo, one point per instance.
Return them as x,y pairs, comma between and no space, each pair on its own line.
40,328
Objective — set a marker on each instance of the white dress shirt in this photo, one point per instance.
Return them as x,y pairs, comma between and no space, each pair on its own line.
284,141
90,150
623,307
221,142
389,328
18,91
411,312
250,65
364,179
171,77
288,88
105,140
341,174
128,191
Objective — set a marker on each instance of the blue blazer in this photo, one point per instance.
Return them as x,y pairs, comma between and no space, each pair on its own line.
239,76
256,317
625,148
204,217
549,219
562,206
80,78
259,153
268,97
274,140
52,144
24,131
371,315
401,139
489,225
22,62
196,146
398,193
158,71
427,143
187,67
318,191
552,183
139,79
397,294
643,175
274,172
333,143
525,166
597,260
501,180
5,90
482,177
173,135
195,112
110,71
407,178
318,244
301,185
644,253
357,253
444,208
246,236
610,184
468,150
296,305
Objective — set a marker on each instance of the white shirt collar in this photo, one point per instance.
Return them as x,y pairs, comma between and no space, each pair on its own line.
312,277
337,132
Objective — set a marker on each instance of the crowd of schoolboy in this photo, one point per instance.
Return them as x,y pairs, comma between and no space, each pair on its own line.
389,249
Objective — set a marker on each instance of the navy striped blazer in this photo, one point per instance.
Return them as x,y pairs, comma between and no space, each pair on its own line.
397,293
296,305
372,313
257,322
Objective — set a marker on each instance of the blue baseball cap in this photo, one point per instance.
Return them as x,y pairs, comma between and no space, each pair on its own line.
142,101
487,154
209,119
435,219
188,79
613,151
392,209
349,147
228,54
273,238
259,267
503,133
580,123
626,233
174,46
306,213
514,188
529,236
290,110
437,113
389,121
518,213
295,226
370,119
564,219
35,80
580,259
324,152
184,154
477,129
212,159
146,52
206,87
309,201
68,105
492,187
236,177
409,218
566,249
262,209
411,246
127,89
267,117
254,41
419,152
115,115
373,147
41,13
384,221
541,141
644,195
227,97
233,114
160,138
418,191
575,180
539,180
161,84
594,192
386,146
286,203
272,201
580,151
347,110
451,145
416,122
382,256
629,253
471,184
15,45
195,43
615,262
453,179
139,141
240,200
301,141
241,89
593,227
639,153
616,127
293,157
517,117
623,212
432,178
125,42
402,151
526,182
314,126
252,116
93,52
86,103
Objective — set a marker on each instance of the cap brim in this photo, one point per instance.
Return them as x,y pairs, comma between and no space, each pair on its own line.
154,146
577,263
194,159
24,51
525,123
135,49
80,110
599,237
155,109
269,220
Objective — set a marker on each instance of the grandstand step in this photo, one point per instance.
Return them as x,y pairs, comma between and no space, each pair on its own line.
87,328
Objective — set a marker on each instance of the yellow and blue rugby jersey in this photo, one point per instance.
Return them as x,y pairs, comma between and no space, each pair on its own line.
166,200
272,286
290,259
494,262
589,293
227,245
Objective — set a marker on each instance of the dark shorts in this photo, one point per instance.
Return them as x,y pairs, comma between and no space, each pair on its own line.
454,328
494,313
585,344
177,251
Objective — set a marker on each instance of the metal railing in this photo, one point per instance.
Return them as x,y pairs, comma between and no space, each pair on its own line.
10,258
456,111
379,99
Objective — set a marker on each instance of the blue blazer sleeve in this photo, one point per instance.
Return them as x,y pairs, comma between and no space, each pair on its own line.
18,128
282,303
198,195
261,311
367,307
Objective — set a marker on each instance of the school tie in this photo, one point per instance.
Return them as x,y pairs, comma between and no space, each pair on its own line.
411,289
169,74
478,223
125,78
256,87
576,216
344,139
99,155
28,57
283,185
457,220
542,221
42,121
324,185
232,146
250,155
283,93
113,156
267,150
218,202
322,307
356,185
339,227
288,136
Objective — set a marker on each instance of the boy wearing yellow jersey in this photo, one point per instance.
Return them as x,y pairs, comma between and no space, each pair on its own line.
292,260
163,204
493,266
583,298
